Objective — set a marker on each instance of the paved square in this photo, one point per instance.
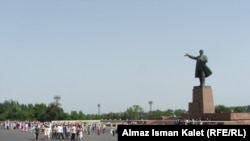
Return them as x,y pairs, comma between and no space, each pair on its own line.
18,135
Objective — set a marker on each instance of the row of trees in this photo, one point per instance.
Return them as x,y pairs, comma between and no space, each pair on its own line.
12,110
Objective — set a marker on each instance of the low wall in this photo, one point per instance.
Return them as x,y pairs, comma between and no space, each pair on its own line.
218,116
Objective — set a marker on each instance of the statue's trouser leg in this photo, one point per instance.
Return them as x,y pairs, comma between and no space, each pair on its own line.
202,79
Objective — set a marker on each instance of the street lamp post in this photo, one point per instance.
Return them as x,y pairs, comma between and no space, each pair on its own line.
150,106
98,105
57,98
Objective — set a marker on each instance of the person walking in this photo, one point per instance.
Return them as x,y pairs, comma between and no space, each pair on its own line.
60,132
73,133
37,131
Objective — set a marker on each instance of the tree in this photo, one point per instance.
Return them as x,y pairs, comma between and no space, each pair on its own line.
240,109
134,112
74,115
112,116
179,112
169,112
222,109
54,112
248,108
81,115
156,113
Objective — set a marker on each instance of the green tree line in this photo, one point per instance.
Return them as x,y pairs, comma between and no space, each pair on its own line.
13,110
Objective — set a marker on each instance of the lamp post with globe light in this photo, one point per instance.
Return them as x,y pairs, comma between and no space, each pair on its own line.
98,105
150,106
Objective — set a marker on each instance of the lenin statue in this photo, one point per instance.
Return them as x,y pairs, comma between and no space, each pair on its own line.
201,70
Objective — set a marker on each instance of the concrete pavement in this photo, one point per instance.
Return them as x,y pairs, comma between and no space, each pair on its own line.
17,135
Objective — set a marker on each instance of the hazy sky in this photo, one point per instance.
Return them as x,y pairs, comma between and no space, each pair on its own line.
118,53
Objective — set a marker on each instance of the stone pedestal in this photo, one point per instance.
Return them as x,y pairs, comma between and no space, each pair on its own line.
202,101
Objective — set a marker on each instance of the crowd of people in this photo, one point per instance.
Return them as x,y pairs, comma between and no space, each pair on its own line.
60,130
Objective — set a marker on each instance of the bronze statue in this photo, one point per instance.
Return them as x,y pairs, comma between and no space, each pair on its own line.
201,70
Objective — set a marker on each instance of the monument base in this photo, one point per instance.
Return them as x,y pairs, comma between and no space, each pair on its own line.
202,109
202,100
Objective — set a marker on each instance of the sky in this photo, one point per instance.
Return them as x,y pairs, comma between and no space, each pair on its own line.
122,53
